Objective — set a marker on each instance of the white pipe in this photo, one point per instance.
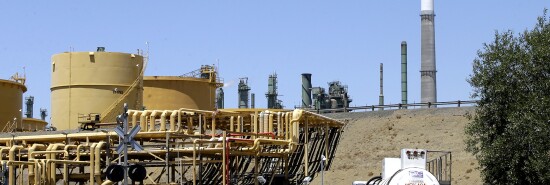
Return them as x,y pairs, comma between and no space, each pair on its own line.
261,125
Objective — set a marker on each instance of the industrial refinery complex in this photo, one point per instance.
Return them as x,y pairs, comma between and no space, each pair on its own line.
111,124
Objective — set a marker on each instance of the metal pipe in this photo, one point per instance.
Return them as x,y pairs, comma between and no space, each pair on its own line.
163,120
231,124
92,163
97,157
173,120
143,120
31,158
270,126
52,155
152,120
11,168
261,124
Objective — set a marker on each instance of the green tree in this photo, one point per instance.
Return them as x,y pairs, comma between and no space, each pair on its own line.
510,132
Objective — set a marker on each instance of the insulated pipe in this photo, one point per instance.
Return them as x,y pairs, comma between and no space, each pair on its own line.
265,125
92,163
190,126
262,115
53,151
152,120
134,118
31,157
97,157
143,120
213,124
11,168
163,120
270,127
107,182
231,125
173,120
239,121
65,167
279,124
133,113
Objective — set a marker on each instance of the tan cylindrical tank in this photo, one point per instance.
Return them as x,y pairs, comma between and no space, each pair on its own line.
174,92
93,82
11,98
31,124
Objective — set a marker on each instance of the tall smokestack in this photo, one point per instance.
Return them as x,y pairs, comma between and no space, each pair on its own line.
306,90
427,69
381,98
404,73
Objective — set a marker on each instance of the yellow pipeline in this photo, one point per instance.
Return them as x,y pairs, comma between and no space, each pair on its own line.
143,120
51,156
152,121
173,120
97,157
11,158
32,171
92,163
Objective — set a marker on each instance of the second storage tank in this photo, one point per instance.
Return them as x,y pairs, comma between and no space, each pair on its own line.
174,92
93,82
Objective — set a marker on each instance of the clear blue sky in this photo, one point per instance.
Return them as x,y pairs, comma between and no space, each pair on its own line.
333,40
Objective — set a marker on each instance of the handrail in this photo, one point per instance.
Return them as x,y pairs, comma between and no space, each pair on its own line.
459,103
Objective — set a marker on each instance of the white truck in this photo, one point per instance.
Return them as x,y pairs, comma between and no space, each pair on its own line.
410,169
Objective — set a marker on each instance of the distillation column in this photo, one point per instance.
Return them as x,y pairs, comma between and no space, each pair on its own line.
428,68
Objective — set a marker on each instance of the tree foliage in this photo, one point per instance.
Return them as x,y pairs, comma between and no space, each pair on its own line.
510,132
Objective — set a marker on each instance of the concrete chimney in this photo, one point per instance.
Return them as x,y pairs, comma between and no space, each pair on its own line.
428,68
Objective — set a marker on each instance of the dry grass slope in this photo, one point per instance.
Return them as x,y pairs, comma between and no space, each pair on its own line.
371,136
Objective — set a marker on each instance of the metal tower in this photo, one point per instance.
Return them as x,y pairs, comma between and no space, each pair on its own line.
29,102
272,93
243,93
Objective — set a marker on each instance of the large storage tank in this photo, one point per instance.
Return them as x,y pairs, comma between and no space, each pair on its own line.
100,82
174,92
31,124
11,98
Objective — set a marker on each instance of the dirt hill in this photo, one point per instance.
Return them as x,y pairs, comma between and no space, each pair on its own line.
371,136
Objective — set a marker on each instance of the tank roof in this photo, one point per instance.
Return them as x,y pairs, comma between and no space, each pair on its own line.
23,87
